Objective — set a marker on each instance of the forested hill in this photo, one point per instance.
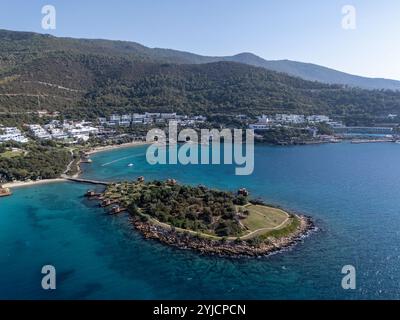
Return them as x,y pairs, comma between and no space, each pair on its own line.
96,77
35,43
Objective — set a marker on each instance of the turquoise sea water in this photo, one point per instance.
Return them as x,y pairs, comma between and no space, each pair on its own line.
351,191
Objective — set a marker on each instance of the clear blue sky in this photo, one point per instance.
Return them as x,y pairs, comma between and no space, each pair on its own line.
303,30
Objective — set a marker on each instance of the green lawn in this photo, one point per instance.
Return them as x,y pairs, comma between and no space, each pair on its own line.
11,154
264,217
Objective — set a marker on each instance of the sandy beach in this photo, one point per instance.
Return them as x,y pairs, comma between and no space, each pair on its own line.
117,146
17,184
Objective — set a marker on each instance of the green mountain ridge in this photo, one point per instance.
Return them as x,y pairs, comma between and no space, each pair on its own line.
307,71
99,77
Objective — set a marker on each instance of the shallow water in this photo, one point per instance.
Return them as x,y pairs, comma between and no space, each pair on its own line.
351,191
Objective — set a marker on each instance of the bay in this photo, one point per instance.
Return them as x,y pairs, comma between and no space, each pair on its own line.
351,191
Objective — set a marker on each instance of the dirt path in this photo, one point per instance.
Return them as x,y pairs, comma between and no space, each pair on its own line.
264,229
245,237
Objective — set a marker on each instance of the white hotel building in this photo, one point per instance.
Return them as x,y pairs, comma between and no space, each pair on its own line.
12,134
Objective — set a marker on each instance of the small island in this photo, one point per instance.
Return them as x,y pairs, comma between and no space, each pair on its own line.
206,220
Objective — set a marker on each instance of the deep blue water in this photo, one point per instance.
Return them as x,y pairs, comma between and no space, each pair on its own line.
351,191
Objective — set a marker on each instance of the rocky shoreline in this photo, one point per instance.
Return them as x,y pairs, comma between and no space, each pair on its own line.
226,248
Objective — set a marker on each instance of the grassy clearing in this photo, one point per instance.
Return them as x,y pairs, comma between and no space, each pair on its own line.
263,217
286,230
6,80
11,154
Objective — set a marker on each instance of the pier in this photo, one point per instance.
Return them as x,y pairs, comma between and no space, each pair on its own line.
4,191
116,210
357,141
79,180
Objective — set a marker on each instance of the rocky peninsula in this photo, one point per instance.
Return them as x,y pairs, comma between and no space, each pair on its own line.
206,220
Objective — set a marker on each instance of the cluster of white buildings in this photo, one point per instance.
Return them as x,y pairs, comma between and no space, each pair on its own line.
39,132
67,130
265,122
75,131
149,118
12,134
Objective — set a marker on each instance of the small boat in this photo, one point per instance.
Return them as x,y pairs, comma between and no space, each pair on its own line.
4,192
397,141
130,165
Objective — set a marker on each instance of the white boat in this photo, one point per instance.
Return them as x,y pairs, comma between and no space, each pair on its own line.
130,165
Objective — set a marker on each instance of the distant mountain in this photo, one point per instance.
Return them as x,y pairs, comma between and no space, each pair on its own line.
307,71
313,72
97,77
